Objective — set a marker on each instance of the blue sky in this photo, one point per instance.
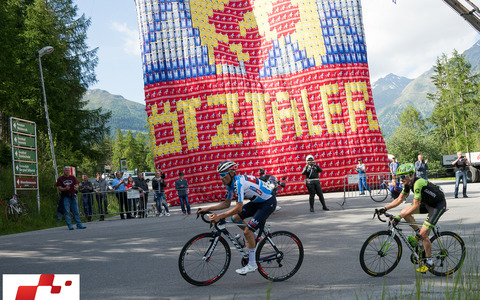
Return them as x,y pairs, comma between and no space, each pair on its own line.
403,38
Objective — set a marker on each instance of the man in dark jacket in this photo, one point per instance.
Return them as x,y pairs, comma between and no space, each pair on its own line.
181,185
158,185
312,179
142,186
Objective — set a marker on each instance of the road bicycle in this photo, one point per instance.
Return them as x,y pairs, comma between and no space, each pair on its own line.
206,257
14,208
382,251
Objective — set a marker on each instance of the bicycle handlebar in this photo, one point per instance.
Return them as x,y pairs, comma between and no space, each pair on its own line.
390,216
202,215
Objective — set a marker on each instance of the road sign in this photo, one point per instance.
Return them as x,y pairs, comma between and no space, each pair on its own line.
23,140
123,164
23,127
25,168
24,154
25,182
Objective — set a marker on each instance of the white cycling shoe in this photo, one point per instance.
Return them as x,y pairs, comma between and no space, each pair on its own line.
246,269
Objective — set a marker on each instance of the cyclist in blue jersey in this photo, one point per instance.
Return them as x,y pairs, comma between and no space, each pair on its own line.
262,204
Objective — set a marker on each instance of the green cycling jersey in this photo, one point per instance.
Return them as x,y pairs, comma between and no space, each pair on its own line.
425,192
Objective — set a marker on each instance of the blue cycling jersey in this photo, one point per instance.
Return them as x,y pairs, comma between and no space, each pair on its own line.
249,187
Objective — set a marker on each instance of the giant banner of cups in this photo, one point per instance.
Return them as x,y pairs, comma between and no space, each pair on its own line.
261,82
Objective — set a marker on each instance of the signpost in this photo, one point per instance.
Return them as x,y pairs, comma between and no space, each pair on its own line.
23,135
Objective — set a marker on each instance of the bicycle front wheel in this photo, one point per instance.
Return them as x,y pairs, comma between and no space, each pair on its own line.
11,213
380,195
448,253
203,263
25,210
279,256
380,253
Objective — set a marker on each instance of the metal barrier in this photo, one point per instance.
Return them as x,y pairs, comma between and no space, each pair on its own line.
107,203
376,186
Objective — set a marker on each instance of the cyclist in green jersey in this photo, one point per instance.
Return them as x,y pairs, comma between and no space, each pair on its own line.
427,198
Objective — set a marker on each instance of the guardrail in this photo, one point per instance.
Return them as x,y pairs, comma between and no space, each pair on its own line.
106,203
376,186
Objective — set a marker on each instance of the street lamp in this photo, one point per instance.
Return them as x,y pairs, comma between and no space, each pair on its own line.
40,53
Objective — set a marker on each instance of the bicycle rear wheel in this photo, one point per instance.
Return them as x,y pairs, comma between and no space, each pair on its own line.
380,195
448,253
380,254
284,263
195,268
11,213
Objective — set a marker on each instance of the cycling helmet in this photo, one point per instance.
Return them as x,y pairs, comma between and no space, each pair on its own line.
406,169
225,166
309,157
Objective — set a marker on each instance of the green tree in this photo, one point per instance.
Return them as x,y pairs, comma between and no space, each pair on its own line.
455,116
411,138
118,150
28,26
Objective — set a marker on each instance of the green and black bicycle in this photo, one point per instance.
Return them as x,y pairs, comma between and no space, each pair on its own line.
382,251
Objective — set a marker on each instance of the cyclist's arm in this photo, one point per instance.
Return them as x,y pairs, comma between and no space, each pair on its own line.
222,205
231,212
400,199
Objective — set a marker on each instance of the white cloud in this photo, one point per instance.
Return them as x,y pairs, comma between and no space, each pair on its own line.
406,38
130,38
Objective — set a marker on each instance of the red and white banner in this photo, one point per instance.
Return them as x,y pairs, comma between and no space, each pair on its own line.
261,83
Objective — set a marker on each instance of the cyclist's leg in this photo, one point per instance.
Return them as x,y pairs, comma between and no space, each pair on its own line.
248,210
434,213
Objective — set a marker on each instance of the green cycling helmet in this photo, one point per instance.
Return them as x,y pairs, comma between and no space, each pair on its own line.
406,169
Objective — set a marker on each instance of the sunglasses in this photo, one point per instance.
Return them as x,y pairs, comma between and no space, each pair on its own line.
403,176
223,174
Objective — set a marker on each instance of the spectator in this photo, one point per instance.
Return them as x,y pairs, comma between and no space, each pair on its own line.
86,188
312,174
142,186
461,164
118,185
132,195
395,188
100,187
393,168
362,177
181,185
421,167
158,185
68,185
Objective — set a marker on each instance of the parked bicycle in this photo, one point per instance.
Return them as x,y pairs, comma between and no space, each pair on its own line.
14,208
380,194
382,251
206,257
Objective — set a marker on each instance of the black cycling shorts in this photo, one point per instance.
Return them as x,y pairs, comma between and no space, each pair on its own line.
259,212
434,213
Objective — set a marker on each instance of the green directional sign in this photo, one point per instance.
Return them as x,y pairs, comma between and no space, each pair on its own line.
25,168
23,127
24,154
23,140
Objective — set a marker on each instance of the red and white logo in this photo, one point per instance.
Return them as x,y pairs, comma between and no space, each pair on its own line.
41,286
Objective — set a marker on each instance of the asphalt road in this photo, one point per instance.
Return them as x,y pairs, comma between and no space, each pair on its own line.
138,258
